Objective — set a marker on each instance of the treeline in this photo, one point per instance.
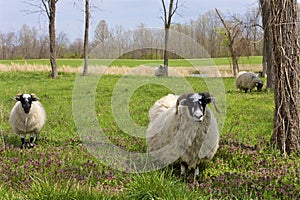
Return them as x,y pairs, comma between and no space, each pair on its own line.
207,30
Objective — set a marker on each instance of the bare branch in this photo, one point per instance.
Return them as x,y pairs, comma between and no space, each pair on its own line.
46,9
165,12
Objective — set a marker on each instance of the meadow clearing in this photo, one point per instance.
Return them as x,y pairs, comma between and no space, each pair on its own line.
62,167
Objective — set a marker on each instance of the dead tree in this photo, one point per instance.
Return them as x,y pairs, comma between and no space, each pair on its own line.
86,37
284,25
232,33
50,9
167,19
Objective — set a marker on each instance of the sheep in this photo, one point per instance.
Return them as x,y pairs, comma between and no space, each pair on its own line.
247,81
27,116
160,71
186,131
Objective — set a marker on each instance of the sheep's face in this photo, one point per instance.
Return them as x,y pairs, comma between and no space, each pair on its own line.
196,103
26,101
259,85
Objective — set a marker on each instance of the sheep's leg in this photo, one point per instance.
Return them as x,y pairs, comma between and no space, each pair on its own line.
32,140
182,170
23,138
196,173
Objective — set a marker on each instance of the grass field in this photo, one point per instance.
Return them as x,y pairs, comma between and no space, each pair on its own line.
61,167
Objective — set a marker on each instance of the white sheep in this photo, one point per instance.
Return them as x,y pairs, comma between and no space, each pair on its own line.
186,132
27,116
247,81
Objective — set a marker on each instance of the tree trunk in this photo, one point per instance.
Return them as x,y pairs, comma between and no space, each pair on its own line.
268,68
166,59
286,66
86,38
52,8
235,64
167,23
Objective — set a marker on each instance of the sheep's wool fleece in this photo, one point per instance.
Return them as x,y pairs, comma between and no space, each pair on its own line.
31,122
162,105
246,80
178,138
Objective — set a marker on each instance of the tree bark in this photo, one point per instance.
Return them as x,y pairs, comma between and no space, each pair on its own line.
268,68
86,37
286,70
51,11
166,59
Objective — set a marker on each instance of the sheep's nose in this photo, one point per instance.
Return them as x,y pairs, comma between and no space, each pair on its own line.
198,116
26,108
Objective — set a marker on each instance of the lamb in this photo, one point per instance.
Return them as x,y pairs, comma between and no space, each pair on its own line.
185,132
27,116
247,81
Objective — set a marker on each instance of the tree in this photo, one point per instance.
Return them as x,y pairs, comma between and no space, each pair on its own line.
167,19
284,25
267,48
232,33
50,9
86,37
101,32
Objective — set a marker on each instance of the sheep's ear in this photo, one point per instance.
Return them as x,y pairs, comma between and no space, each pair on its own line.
18,97
179,102
213,100
34,97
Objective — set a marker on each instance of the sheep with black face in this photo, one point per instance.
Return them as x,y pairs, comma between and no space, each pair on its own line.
186,130
28,116
247,81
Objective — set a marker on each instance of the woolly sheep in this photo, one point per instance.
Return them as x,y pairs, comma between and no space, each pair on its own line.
247,81
186,130
27,116
160,71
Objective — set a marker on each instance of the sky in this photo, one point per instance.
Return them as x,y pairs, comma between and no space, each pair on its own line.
127,13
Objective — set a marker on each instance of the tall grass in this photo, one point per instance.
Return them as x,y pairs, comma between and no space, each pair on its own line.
61,167
132,62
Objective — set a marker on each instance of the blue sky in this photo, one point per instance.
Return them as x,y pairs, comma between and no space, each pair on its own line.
128,13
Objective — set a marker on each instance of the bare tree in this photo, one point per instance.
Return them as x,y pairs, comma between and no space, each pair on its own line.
284,25
61,44
86,37
50,9
101,33
168,13
232,33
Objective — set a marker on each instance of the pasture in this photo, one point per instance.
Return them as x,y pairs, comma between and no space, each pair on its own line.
62,167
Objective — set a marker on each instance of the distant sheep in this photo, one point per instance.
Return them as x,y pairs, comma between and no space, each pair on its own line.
27,116
247,81
186,129
160,71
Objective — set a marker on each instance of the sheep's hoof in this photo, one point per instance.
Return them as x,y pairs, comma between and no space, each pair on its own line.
22,146
31,144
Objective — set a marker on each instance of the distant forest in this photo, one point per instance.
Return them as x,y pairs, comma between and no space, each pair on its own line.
207,30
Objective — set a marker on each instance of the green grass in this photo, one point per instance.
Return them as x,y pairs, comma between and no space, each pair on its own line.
134,63
61,167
